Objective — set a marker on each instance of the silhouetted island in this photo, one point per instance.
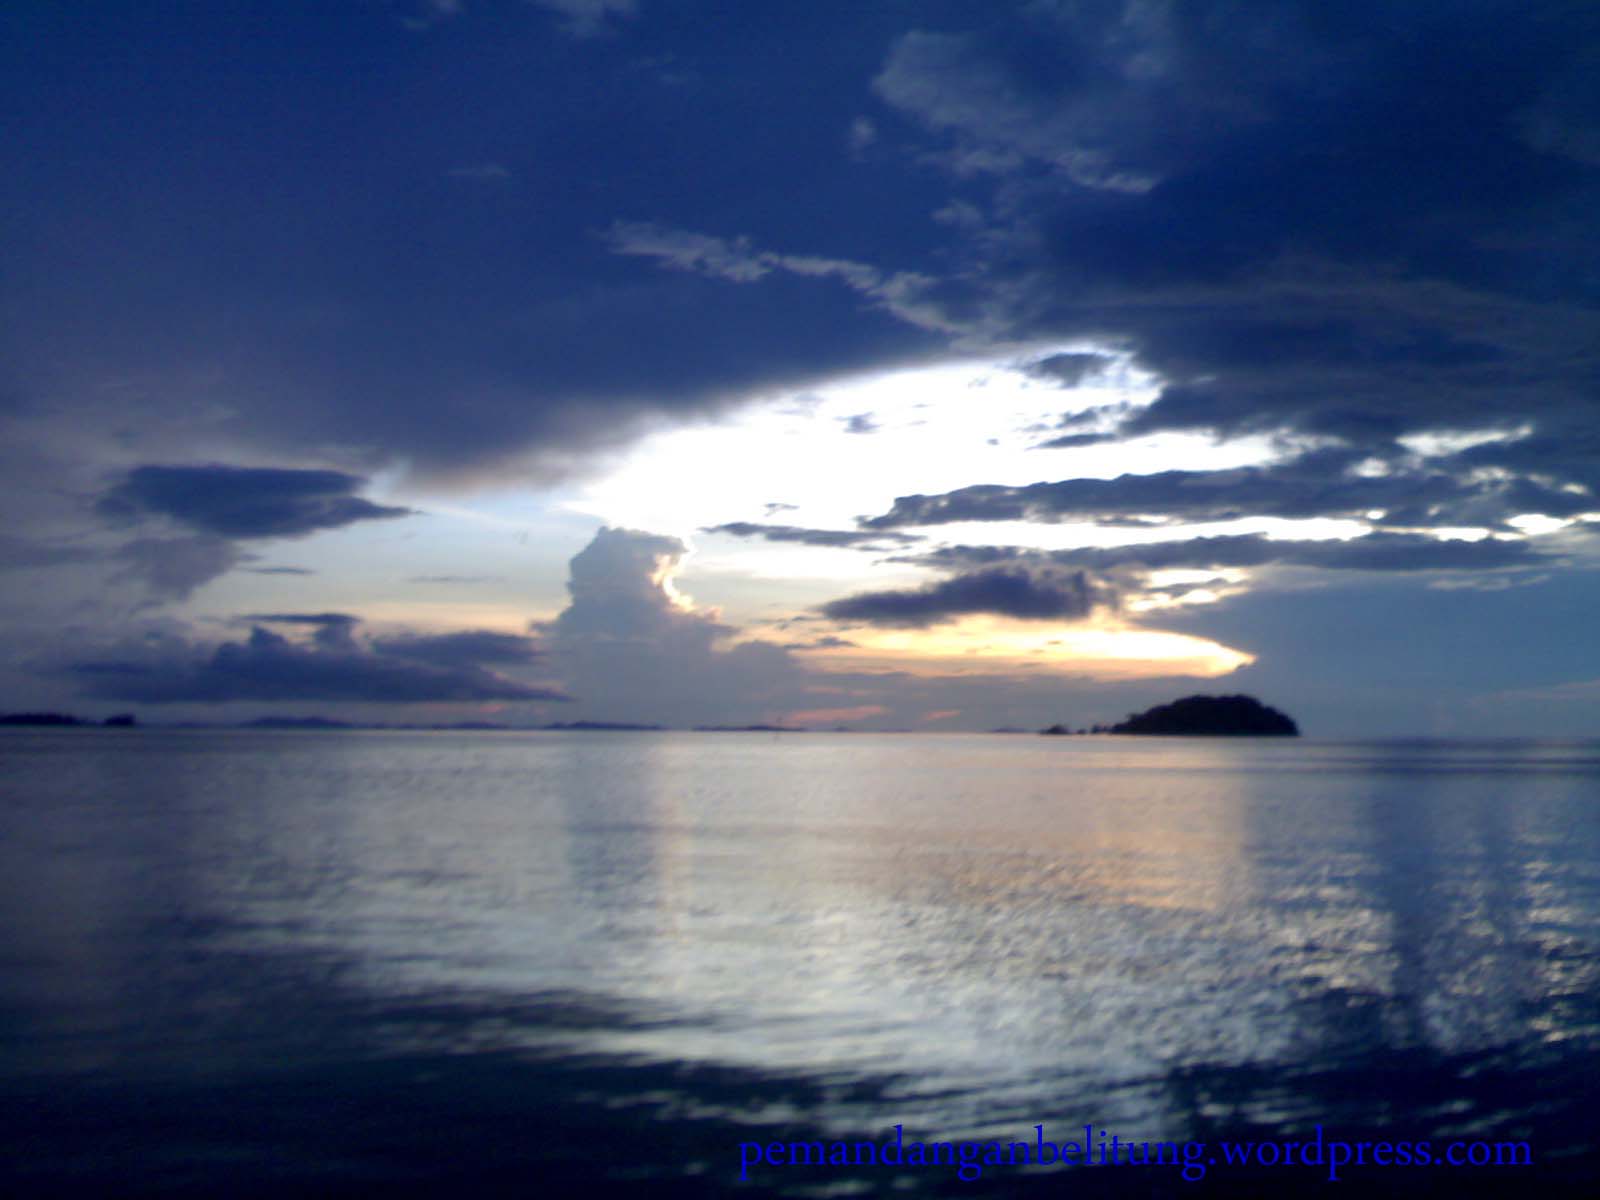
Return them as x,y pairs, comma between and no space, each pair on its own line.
41,718
66,720
1211,716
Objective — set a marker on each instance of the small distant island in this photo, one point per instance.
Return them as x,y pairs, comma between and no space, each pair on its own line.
1202,716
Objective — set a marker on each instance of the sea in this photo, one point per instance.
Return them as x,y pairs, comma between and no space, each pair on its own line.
396,963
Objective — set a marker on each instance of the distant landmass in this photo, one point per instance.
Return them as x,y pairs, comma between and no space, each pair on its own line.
747,729
1211,716
120,721
603,726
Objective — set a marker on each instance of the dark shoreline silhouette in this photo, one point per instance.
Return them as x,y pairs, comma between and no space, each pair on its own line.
1200,716
55,720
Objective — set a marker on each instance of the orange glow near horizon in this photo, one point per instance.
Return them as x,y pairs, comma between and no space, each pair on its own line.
980,644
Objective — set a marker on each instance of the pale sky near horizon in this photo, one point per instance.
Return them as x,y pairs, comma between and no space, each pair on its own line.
929,366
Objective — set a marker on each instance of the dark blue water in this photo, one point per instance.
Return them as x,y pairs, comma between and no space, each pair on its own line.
381,963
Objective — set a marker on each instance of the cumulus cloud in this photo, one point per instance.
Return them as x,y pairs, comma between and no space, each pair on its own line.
632,648
1010,591
243,502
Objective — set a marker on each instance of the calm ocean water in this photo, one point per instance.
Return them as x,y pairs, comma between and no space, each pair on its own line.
590,963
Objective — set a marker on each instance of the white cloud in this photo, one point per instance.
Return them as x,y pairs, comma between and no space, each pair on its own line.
588,18
905,294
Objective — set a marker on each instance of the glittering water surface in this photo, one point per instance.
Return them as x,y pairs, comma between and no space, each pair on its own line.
259,959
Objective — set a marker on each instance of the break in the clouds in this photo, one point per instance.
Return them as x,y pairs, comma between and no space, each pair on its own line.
1320,269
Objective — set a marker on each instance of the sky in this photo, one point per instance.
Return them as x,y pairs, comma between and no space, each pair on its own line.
927,366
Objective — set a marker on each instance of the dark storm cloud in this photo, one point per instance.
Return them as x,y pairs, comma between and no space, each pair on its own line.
1010,591
1327,483
243,502
1356,226
1370,552
813,537
268,667
478,647
468,647
1368,221
369,307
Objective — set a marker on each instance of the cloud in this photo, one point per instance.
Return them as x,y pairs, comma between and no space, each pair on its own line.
1300,229
827,642
1324,483
908,295
172,569
589,18
1068,370
863,133
279,571
861,423
1073,441
478,647
1378,551
1011,591
268,667
19,553
629,645
814,537
428,13
243,502
330,630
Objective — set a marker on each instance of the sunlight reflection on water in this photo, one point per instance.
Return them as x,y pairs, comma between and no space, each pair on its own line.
1002,925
